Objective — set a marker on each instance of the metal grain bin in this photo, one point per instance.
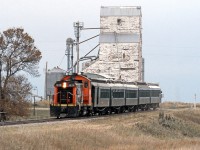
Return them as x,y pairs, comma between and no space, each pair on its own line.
52,76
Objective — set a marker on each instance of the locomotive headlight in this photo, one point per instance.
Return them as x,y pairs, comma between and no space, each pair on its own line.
64,85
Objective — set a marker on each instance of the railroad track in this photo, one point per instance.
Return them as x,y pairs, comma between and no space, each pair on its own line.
10,123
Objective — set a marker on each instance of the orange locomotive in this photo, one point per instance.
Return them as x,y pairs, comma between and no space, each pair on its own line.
72,96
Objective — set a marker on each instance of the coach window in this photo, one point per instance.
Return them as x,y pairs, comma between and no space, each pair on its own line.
118,93
144,93
158,93
131,94
104,93
147,93
155,93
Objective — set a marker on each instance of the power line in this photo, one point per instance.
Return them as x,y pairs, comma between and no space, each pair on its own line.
61,60
168,46
170,55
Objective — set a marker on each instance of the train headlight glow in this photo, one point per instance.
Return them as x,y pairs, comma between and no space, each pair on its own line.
64,85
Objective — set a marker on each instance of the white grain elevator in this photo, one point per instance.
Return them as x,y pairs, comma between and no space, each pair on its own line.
120,51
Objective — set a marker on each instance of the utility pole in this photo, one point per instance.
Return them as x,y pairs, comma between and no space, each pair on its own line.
45,91
77,27
69,54
34,105
0,77
195,96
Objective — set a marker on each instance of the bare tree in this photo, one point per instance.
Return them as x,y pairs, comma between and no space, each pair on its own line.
18,87
16,98
18,53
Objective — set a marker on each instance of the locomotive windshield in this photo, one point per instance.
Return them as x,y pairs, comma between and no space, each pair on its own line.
65,95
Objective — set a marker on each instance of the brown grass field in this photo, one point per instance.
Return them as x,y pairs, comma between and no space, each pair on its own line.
173,126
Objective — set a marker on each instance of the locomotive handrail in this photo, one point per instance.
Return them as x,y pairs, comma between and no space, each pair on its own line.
67,96
54,95
70,93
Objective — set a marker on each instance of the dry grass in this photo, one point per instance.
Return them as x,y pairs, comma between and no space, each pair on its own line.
143,130
178,105
189,115
40,113
43,103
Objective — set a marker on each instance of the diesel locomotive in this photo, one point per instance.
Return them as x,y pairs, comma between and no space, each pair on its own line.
90,94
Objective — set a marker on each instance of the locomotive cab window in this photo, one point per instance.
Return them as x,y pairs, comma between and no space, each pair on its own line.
65,95
86,84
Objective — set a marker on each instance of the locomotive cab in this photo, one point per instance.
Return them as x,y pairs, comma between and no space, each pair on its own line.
72,96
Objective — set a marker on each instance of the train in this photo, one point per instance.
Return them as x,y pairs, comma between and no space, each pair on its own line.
89,94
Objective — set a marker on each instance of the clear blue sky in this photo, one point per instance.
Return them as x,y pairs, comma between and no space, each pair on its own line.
171,37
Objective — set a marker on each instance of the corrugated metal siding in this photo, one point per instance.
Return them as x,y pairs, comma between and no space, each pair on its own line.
119,38
52,77
120,11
